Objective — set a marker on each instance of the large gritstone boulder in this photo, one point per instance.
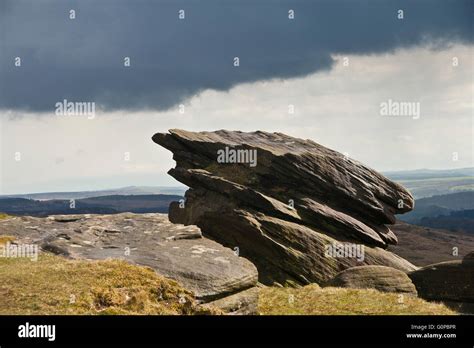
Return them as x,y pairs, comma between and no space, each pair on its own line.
299,211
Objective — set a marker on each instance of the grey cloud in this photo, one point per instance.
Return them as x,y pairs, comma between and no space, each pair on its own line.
172,59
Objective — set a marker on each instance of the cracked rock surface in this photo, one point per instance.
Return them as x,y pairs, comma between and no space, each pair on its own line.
176,251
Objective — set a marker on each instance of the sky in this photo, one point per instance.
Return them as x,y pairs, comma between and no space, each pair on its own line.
323,74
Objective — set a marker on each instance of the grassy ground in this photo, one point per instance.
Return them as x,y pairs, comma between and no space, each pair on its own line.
3,216
55,285
314,300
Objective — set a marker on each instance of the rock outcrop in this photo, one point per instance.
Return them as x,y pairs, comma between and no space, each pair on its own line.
451,282
287,204
242,303
382,278
179,252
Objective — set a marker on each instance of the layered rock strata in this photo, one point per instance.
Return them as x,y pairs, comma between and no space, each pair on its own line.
299,211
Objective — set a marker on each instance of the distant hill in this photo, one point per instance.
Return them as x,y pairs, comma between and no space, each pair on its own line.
440,205
425,245
94,205
457,221
429,173
427,182
129,190
454,212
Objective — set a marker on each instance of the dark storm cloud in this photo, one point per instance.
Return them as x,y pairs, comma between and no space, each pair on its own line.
172,59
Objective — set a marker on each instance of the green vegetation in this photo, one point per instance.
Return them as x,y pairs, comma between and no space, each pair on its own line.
427,187
4,216
55,285
313,300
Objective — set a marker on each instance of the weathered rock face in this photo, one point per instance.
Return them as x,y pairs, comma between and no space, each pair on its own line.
450,281
381,278
179,252
242,303
282,201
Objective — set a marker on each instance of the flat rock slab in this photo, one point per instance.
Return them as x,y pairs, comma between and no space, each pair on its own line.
176,251
382,278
